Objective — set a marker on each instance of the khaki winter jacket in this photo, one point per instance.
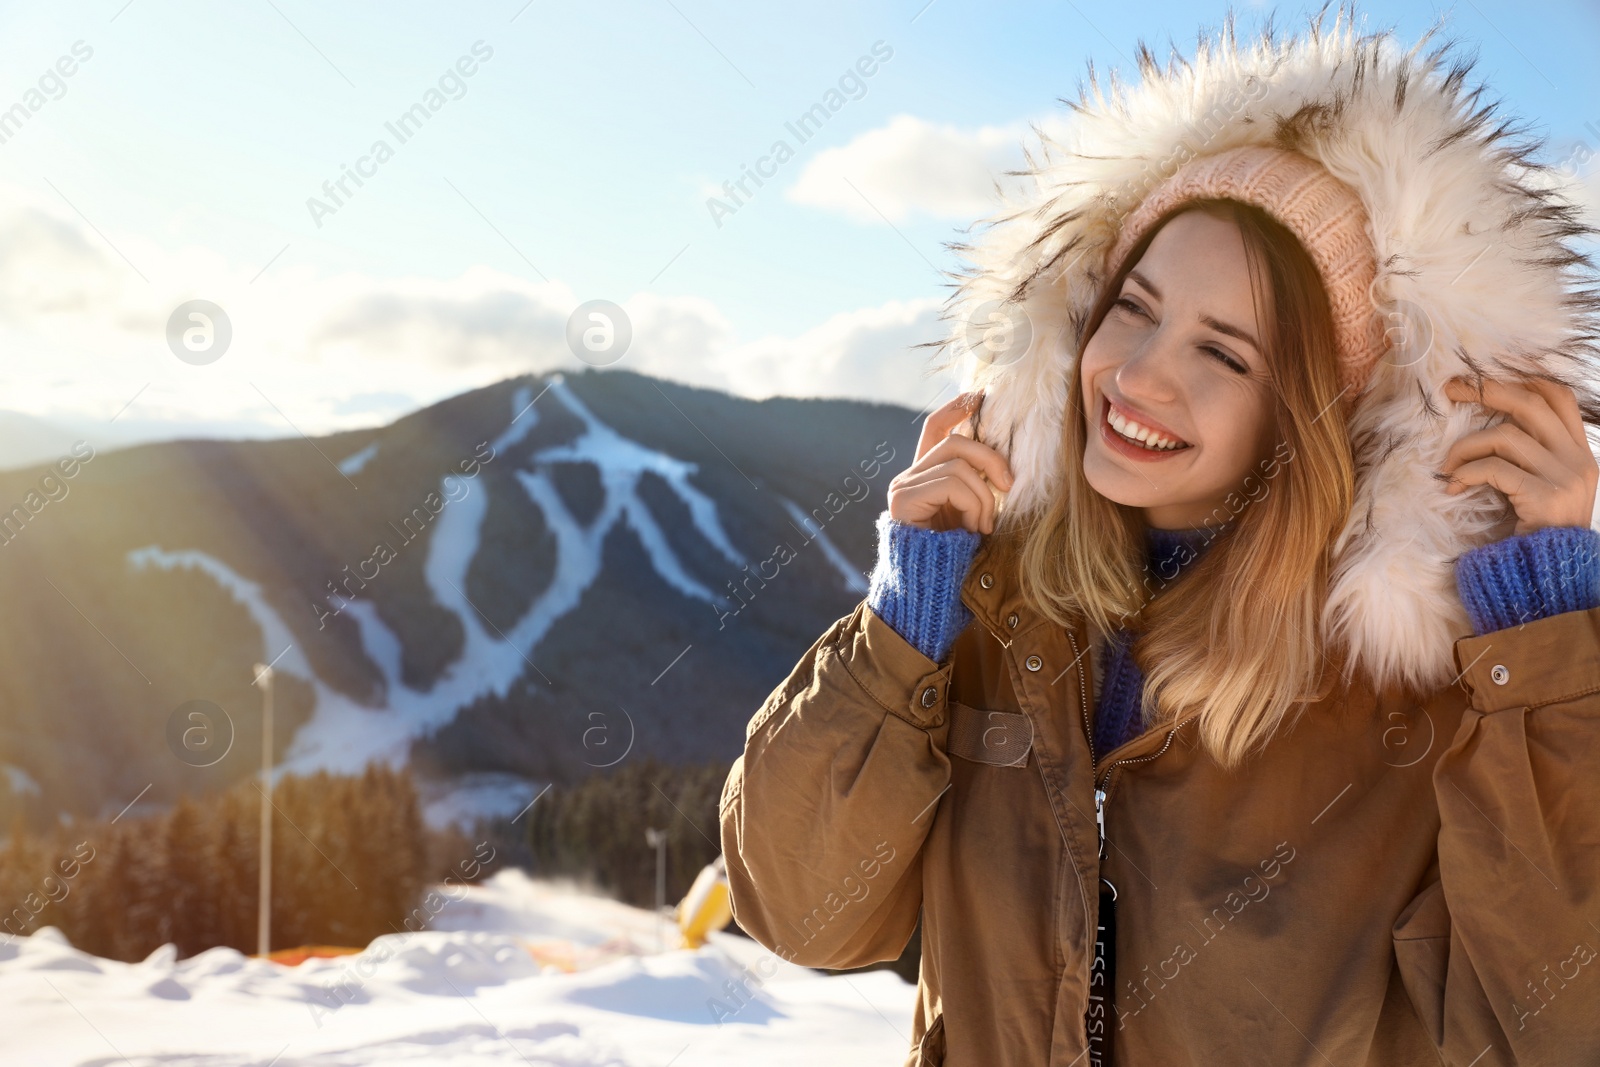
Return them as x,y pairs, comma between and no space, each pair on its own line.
1396,880
1393,882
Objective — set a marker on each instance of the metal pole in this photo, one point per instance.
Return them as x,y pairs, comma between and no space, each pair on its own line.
264,891
658,839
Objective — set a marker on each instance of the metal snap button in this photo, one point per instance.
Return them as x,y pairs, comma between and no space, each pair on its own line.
1011,620
930,696
1499,673
986,580
1033,663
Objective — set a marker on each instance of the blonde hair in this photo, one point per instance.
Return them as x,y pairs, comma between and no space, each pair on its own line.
1236,638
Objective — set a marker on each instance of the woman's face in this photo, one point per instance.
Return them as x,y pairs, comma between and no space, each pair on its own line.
1177,355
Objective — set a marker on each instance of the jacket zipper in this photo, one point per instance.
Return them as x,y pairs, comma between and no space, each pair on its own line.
1088,735
1101,793
1100,1038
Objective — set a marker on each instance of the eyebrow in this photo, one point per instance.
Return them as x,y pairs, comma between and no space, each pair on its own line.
1215,324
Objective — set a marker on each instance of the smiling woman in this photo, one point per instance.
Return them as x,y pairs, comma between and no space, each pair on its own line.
1170,383
1215,331
1208,386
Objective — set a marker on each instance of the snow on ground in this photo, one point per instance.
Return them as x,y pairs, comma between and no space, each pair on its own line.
514,971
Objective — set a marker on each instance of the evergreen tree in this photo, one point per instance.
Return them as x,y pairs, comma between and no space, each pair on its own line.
349,863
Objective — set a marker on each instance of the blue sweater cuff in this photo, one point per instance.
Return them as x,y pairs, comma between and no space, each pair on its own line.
916,583
1546,572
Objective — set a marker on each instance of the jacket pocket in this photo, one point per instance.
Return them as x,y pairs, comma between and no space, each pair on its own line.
1421,938
930,1052
998,738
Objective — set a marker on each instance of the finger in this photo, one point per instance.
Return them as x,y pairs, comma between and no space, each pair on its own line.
1510,442
944,418
983,518
968,427
983,457
983,503
1564,402
1526,405
1504,475
927,498
957,446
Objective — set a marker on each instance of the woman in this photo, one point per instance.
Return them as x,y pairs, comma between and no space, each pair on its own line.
1230,690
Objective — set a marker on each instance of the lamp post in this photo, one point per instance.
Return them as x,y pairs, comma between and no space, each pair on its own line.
657,839
264,890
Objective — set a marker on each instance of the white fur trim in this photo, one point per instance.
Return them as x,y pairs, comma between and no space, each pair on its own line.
1469,233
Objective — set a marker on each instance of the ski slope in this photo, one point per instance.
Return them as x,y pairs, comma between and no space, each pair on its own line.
343,734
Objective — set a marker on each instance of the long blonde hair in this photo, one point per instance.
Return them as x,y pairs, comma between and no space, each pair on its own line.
1236,638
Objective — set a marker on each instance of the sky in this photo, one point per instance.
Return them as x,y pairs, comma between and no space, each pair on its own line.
195,151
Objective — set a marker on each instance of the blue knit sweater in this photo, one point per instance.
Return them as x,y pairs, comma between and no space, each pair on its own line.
916,589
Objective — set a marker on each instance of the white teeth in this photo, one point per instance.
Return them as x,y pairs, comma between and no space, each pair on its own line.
1145,436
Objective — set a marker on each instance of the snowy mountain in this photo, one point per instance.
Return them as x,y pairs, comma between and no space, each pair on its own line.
514,587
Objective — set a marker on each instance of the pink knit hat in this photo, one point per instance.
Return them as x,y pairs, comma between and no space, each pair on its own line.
1323,212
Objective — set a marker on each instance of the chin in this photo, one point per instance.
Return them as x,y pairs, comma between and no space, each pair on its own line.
1118,486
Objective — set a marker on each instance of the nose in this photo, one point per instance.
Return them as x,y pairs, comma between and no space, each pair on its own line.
1148,372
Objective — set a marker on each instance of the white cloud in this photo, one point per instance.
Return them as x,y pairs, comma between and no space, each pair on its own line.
1576,175
864,354
1589,194
913,167
317,353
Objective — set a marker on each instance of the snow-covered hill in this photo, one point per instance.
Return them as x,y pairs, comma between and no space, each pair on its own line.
513,972
482,589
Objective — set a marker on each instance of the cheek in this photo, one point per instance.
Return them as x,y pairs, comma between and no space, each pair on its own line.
1259,419
1099,356
1236,419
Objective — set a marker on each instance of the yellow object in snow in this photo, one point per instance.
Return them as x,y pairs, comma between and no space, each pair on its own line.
705,907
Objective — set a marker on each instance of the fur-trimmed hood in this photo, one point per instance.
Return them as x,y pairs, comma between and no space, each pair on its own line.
1477,274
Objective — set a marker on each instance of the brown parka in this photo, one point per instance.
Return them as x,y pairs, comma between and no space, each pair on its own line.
1408,875
1393,882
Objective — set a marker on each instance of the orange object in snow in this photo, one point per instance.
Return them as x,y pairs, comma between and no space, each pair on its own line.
293,957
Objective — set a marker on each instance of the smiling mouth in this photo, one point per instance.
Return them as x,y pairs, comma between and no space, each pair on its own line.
1136,435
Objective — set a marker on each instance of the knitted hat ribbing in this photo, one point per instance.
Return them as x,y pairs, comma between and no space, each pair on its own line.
1324,213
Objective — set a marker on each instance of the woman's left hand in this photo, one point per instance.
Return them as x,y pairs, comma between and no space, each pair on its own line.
1539,457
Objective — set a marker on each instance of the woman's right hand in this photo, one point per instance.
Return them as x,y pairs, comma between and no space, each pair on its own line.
948,484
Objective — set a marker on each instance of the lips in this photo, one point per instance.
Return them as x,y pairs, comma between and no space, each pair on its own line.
1138,422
